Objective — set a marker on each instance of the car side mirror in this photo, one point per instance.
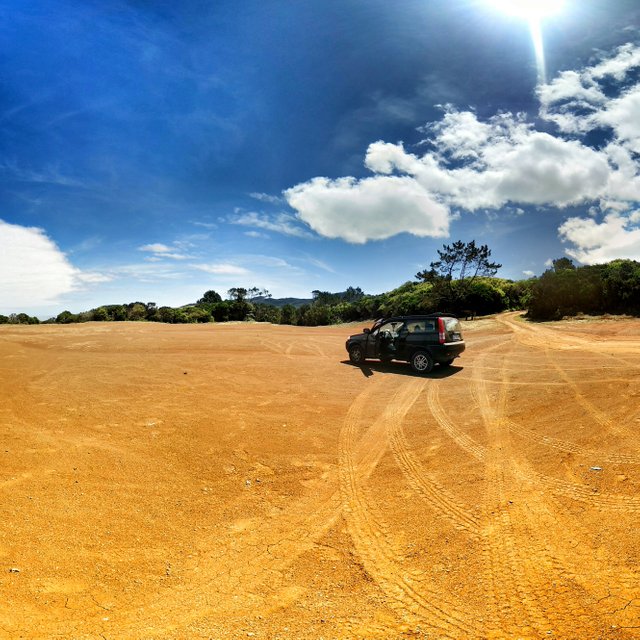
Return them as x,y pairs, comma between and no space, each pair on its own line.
366,330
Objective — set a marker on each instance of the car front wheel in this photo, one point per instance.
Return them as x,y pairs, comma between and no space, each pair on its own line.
421,362
356,354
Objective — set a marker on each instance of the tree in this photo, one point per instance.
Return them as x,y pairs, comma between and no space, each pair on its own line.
166,314
288,314
256,292
100,314
237,294
323,297
196,314
454,274
210,297
352,294
66,317
560,264
462,261
137,311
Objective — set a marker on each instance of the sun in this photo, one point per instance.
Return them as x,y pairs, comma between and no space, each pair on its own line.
529,9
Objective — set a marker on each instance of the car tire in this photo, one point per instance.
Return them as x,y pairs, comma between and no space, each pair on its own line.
356,354
421,362
446,363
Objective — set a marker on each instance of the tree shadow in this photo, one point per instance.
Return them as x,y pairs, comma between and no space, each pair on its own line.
403,369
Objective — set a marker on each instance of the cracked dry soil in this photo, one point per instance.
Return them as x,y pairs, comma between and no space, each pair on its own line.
229,481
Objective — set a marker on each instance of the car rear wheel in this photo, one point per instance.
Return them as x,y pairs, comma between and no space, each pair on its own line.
356,354
421,362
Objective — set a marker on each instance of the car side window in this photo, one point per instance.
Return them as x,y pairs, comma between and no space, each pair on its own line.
383,327
420,326
390,327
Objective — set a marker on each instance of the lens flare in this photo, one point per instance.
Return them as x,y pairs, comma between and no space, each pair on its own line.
538,49
533,11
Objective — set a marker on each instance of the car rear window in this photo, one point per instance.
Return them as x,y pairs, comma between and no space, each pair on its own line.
452,325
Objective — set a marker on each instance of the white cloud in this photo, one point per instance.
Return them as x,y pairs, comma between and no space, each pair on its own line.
498,165
156,247
369,209
460,134
507,162
528,273
50,174
623,116
573,87
320,264
265,197
284,223
577,103
93,277
267,261
255,234
34,272
156,271
627,58
161,251
618,236
222,269
206,225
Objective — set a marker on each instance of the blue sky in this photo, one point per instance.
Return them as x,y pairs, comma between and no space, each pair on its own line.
153,150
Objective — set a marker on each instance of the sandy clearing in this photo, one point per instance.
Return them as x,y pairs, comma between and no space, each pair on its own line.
226,481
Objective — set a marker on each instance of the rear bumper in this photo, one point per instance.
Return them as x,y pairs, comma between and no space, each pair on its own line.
448,351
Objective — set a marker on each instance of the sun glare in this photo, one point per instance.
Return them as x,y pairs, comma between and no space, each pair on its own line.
533,11
529,9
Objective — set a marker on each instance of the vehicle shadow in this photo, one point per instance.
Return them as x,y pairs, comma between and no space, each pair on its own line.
402,369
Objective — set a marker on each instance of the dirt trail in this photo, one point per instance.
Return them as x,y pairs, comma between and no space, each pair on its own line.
225,481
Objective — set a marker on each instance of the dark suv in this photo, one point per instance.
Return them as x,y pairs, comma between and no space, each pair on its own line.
419,340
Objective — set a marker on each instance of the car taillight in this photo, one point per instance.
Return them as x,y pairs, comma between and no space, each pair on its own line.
441,334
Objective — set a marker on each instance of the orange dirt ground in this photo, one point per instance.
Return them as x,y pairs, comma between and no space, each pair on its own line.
230,481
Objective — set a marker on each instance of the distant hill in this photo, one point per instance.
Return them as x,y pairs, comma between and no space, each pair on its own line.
281,302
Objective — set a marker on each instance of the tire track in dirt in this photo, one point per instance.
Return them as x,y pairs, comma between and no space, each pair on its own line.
317,346
465,442
616,502
512,571
612,426
580,493
545,339
537,336
306,348
570,447
557,572
272,346
551,581
412,596
580,579
426,486
579,564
